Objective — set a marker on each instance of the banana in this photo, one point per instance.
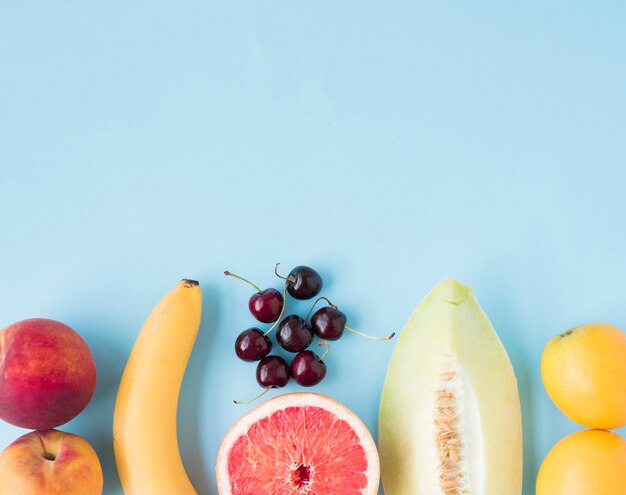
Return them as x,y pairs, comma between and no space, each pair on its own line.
144,421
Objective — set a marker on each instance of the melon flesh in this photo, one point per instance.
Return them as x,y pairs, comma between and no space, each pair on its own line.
450,418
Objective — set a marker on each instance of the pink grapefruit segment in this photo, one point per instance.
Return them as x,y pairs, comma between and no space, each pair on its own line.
297,444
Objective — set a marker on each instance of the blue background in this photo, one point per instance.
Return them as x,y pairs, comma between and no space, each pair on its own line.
387,145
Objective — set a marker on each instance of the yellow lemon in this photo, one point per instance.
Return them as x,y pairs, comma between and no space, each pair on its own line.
588,462
584,372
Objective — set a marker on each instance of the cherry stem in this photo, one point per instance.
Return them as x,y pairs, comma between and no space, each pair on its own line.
240,402
282,312
318,300
388,337
288,279
324,343
228,274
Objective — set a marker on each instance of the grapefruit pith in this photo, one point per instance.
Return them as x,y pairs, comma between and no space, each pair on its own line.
298,444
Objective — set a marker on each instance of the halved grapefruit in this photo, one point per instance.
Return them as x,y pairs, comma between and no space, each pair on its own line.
298,444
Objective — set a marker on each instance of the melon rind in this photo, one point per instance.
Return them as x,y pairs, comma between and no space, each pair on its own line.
298,399
449,330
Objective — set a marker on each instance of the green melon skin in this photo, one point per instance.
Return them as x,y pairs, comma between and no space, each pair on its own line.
450,331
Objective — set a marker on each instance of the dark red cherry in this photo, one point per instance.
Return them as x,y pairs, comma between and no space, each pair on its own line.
252,345
328,323
302,282
272,371
294,334
265,305
307,368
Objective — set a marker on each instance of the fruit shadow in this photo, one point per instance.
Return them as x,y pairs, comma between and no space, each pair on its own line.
110,359
503,317
190,405
526,398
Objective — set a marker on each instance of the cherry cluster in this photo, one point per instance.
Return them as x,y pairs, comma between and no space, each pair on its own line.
294,334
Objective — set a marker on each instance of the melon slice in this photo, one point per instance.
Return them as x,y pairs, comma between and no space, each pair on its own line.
298,444
450,418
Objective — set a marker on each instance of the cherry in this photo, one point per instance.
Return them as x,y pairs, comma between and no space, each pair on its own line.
329,323
252,345
271,372
307,368
302,282
294,334
265,305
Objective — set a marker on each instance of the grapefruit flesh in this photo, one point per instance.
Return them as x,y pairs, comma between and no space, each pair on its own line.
298,444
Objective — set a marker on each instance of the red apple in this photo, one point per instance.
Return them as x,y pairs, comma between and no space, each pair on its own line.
47,374
50,463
